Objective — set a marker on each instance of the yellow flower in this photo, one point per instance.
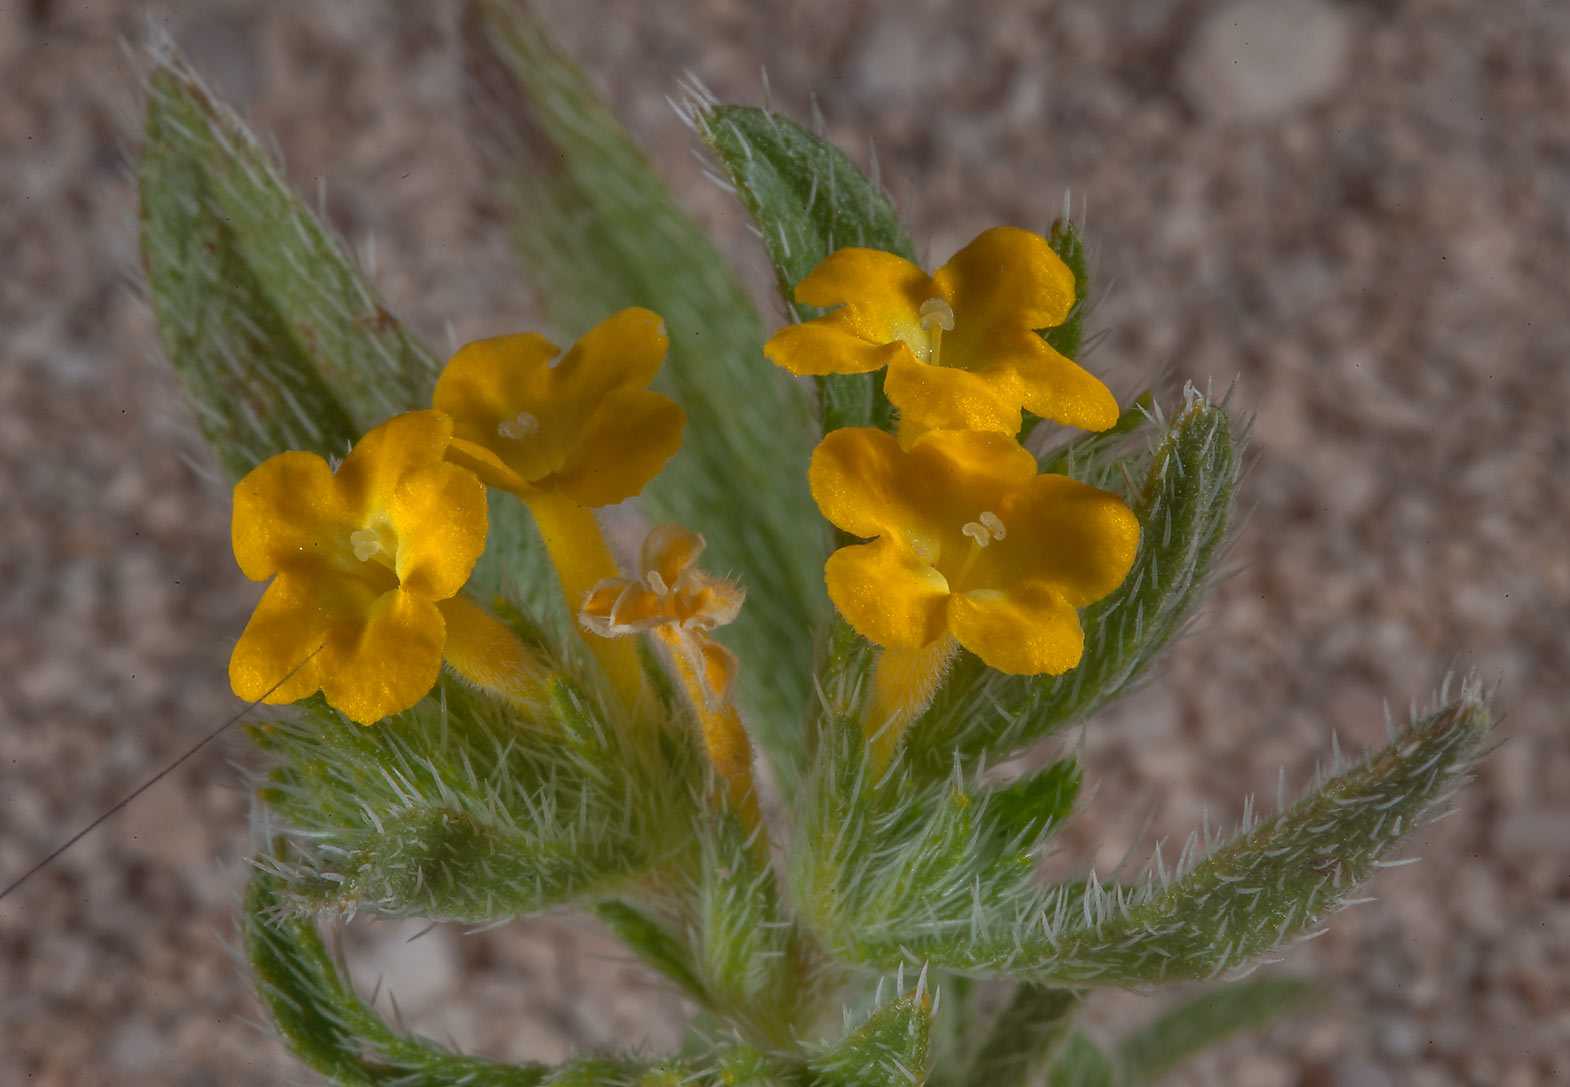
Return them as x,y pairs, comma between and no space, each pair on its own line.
960,345
969,542
365,562
587,429
675,601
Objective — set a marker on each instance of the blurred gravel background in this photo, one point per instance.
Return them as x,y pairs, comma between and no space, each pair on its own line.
1359,209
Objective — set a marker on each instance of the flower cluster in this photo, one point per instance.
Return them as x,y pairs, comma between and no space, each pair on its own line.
968,544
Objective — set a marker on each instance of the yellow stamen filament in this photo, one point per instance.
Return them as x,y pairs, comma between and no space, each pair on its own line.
583,559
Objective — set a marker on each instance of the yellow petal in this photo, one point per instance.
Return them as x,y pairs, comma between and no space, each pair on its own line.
1006,276
491,469
1076,538
627,439
855,476
624,351
370,473
1054,386
484,651
288,625
387,663
948,398
1025,631
485,387
719,669
492,379
887,594
670,551
287,509
439,514
956,475
829,345
882,293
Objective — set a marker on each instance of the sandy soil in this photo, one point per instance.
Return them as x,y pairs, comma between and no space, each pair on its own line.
1361,211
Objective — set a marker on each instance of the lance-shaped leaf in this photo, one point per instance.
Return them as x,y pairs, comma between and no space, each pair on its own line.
1196,1024
1026,1036
468,809
246,367
326,1024
1224,909
240,269
807,199
889,1049
599,231
1184,507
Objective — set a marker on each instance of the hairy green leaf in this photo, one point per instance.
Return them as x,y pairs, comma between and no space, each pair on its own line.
329,1027
598,231
1184,508
468,809
889,1049
246,364
1223,907
1154,1050
214,207
807,199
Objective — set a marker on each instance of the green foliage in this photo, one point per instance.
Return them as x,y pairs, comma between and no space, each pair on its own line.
807,199
467,809
1184,507
280,341
329,1027
1226,905
598,231
1081,1064
1154,1050
888,1049
1026,1036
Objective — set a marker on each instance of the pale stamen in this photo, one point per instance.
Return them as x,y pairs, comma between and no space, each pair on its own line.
519,426
656,583
977,532
365,543
936,317
993,524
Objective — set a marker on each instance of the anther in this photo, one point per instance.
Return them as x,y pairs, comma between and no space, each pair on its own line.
519,426
365,543
993,524
656,583
976,532
935,311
